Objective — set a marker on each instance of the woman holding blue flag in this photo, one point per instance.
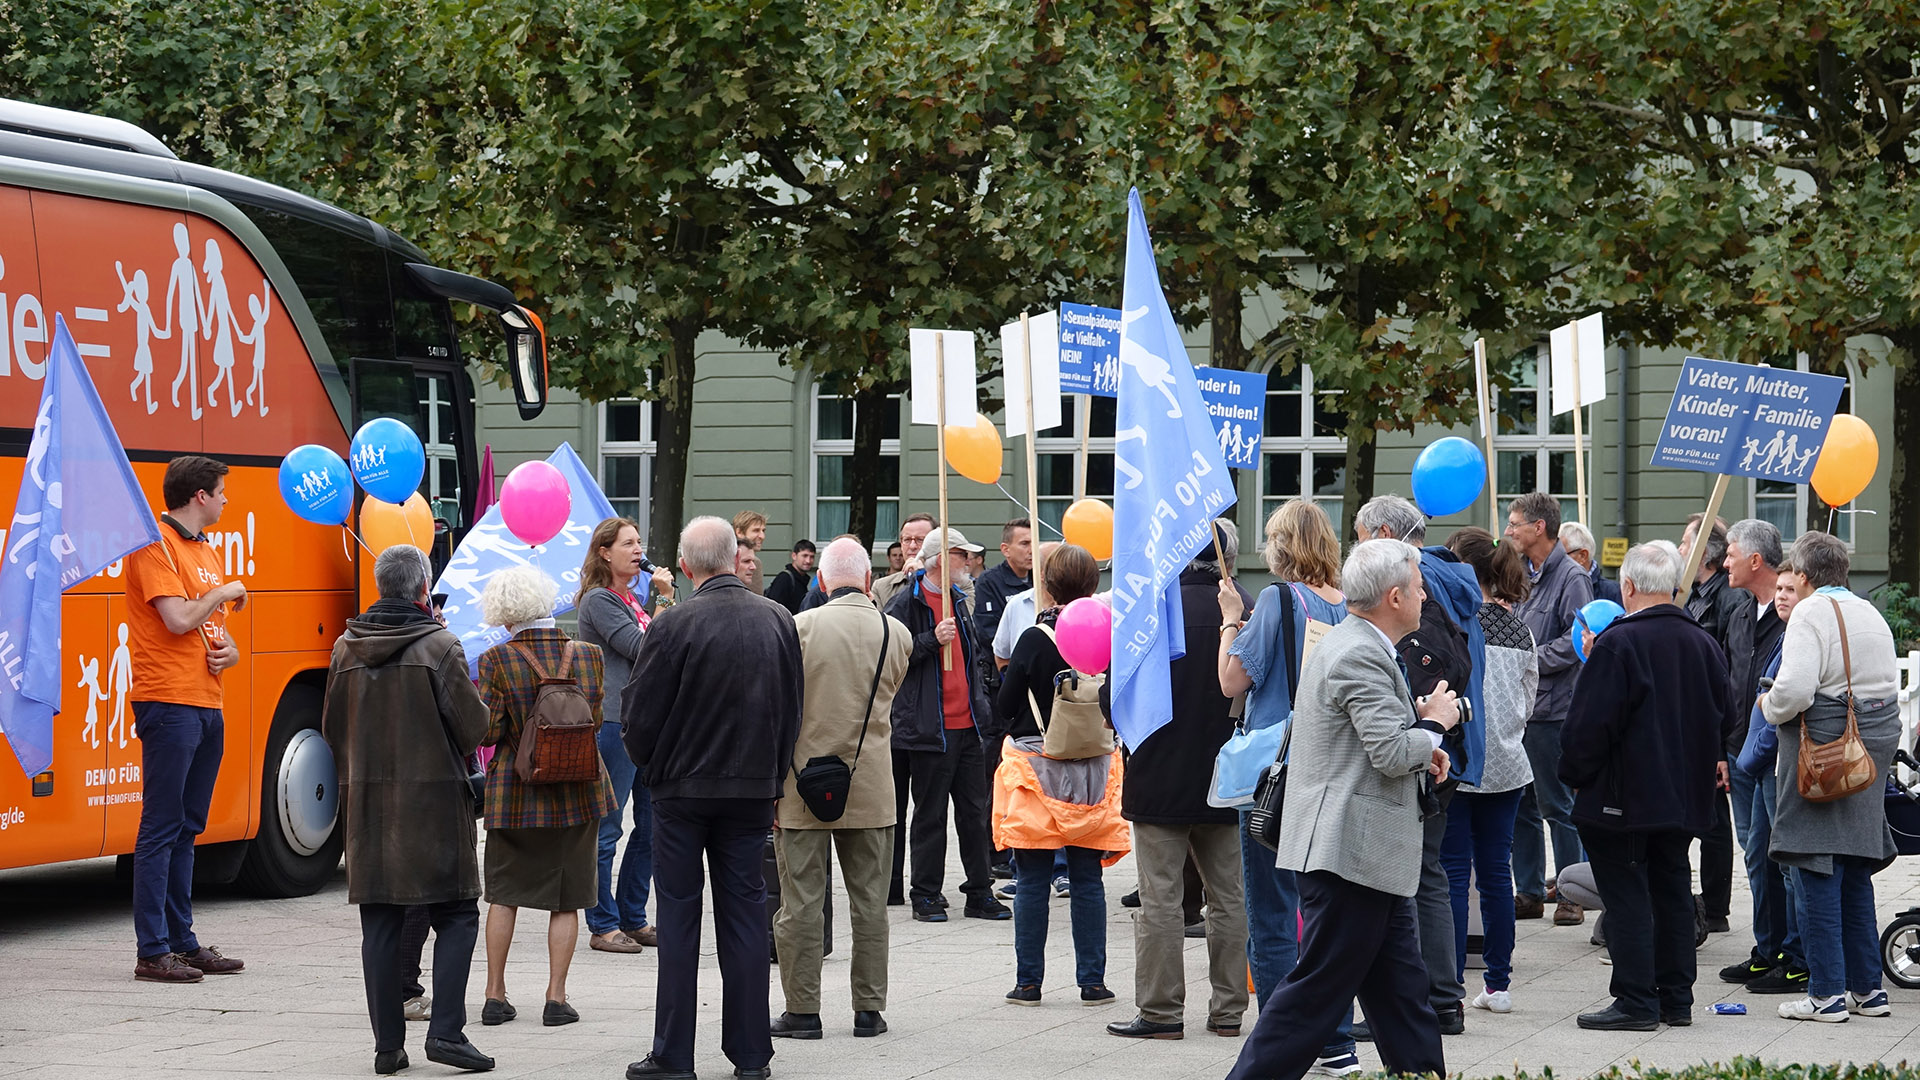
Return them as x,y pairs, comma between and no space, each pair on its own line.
1261,657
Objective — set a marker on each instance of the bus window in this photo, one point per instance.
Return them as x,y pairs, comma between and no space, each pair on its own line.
384,388
344,281
441,434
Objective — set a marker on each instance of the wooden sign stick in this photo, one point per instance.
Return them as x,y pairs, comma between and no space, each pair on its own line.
1083,407
1485,393
1033,470
1579,436
1698,553
940,446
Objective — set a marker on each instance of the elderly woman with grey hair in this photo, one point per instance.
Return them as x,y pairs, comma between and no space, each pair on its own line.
542,839
1837,662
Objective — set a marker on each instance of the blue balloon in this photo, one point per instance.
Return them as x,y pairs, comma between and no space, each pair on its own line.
388,459
1447,476
314,483
1596,616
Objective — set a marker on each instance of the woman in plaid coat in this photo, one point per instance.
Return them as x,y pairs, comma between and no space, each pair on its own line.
541,849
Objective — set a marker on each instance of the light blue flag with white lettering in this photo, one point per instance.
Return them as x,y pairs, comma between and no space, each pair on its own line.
1170,482
488,547
55,542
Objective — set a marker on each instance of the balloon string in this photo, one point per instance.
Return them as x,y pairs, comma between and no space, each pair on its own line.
356,536
1031,516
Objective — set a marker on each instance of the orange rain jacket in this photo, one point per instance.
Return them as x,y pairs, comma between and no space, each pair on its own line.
1037,802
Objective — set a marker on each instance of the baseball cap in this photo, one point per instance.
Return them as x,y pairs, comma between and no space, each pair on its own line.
956,540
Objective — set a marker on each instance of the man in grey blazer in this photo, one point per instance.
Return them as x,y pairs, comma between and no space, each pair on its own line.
1351,831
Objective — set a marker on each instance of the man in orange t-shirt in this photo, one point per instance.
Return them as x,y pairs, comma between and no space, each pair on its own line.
177,605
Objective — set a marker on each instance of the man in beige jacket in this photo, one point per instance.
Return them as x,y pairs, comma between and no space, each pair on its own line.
855,659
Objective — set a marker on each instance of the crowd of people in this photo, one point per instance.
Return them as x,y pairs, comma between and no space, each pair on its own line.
1442,728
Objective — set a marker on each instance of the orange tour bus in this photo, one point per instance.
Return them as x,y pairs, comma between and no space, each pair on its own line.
223,316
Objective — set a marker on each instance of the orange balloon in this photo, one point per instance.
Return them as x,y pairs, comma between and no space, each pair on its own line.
1847,461
974,451
382,524
1089,523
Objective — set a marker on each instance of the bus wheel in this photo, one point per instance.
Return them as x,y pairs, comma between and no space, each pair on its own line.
299,843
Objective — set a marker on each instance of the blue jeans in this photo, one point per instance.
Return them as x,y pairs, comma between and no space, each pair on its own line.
1776,926
1087,905
1551,802
180,748
1273,929
624,908
1842,939
1478,842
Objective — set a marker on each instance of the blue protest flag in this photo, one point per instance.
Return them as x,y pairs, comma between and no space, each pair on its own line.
489,547
1165,499
56,542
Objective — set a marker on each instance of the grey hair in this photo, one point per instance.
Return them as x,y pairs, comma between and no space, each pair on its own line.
1821,558
1575,536
1399,517
516,596
1758,537
845,562
1653,567
400,572
707,546
1375,568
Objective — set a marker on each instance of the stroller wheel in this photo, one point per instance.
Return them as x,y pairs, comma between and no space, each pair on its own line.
1900,950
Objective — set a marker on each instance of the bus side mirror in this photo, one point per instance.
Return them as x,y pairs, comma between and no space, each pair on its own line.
526,359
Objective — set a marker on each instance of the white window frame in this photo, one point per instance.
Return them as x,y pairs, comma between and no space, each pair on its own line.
1540,443
1303,447
844,448
438,444
1070,445
645,448
1803,494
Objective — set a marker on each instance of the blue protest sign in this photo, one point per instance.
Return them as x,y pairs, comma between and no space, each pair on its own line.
1233,400
1747,420
489,547
1089,350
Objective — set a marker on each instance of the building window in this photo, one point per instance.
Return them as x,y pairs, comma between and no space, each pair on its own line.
441,485
1057,455
627,427
1788,506
1532,456
1303,446
833,426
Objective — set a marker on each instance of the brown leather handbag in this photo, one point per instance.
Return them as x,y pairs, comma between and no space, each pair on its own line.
1829,771
559,743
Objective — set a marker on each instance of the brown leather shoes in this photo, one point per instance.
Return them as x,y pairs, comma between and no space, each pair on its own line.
209,960
165,968
646,935
1527,906
1569,913
615,941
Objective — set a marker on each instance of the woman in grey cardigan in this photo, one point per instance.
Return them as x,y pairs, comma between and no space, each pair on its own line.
612,617
1833,849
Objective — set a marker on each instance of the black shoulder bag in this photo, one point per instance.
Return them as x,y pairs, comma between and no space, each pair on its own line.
824,783
1263,819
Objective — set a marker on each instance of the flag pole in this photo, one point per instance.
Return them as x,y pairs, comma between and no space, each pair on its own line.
940,445
1083,410
1033,471
1485,390
1579,436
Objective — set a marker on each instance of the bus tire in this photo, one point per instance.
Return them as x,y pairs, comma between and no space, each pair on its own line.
297,849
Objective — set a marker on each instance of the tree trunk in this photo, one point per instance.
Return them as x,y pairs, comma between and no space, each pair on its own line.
863,469
1903,488
1362,448
1225,307
672,443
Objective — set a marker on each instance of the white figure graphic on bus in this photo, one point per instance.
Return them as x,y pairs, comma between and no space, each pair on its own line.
119,681
183,306
259,307
90,682
216,325
134,296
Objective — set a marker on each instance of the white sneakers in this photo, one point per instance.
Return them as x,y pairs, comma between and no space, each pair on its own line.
1873,1004
1495,1001
421,1008
1831,1010
1337,1065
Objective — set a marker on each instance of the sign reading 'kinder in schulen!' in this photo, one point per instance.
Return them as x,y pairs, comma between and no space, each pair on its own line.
1747,420
1233,400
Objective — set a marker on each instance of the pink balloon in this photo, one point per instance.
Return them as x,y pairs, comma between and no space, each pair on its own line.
535,501
1085,634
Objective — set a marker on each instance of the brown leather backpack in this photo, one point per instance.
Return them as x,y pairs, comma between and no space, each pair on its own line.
1830,771
558,743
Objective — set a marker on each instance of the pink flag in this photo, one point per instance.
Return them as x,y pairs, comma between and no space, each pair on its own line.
484,497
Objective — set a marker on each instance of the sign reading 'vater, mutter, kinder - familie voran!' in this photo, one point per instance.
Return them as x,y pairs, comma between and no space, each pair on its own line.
1747,420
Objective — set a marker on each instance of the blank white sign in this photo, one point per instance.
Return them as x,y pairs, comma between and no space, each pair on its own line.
961,407
1593,362
1046,373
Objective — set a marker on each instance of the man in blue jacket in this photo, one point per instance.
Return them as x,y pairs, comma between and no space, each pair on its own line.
1642,746
1448,648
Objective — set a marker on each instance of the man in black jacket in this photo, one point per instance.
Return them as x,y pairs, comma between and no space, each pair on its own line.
1164,795
1642,746
789,587
1721,610
714,747
938,714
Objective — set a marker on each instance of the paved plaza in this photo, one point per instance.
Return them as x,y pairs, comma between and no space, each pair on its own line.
70,1008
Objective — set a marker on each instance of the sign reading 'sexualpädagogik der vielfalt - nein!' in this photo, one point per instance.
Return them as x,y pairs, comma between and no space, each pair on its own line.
1747,420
